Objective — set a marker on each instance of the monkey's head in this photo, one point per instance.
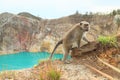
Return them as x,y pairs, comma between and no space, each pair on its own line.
84,25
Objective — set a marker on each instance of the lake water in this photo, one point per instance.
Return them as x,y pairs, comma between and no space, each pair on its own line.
23,60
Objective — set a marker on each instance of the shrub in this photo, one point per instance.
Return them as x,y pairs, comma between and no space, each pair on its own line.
108,40
49,71
53,74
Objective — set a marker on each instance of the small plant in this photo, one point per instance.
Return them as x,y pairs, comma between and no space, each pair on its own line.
53,74
49,71
108,40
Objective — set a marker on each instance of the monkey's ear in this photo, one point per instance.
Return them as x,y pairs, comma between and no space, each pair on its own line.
80,23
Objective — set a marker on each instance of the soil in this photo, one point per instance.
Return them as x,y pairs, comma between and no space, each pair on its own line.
91,59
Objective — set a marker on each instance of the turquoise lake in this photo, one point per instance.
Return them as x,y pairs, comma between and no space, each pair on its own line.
23,60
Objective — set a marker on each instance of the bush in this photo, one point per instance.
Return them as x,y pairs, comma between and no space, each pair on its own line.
53,74
108,40
49,71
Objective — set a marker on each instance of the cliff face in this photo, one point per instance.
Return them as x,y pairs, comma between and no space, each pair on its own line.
25,32
18,32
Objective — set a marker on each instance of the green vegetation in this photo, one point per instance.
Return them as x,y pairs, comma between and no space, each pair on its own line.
114,12
53,74
49,71
108,40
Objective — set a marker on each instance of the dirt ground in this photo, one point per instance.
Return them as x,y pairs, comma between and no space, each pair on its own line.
91,59
91,55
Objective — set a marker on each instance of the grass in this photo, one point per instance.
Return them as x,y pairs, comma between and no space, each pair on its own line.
7,75
49,71
108,40
53,74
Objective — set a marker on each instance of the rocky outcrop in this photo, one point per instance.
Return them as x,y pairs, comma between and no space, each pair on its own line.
18,33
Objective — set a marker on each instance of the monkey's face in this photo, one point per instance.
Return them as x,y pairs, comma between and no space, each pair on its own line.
85,25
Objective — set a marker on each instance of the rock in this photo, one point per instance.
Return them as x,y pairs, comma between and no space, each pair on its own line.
84,49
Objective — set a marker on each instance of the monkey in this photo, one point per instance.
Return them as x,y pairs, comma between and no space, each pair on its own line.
75,34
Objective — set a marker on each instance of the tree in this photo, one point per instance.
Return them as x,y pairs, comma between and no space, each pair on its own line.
114,12
118,11
117,20
77,12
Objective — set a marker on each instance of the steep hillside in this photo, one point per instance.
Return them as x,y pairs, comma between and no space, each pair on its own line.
30,33
18,32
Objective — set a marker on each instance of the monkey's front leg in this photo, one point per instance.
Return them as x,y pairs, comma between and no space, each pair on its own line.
66,53
85,39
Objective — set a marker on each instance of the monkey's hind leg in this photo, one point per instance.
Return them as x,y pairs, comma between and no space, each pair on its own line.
66,53
78,43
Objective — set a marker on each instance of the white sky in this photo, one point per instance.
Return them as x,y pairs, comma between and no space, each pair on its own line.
57,8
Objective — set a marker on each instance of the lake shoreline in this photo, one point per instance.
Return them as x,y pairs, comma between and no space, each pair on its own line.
22,60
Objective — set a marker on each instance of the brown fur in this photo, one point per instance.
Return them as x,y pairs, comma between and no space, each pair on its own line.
75,34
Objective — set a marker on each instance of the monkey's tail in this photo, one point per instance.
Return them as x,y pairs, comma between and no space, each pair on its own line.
60,42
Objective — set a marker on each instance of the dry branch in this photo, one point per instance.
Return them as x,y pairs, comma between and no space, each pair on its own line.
100,72
107,64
